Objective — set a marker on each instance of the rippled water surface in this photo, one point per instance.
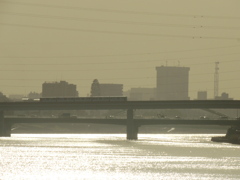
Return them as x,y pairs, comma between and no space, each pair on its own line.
111,156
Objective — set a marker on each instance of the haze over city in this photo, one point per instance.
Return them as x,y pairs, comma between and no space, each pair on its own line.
118,42
119,89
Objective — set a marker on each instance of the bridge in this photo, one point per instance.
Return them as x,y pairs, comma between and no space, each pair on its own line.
131,123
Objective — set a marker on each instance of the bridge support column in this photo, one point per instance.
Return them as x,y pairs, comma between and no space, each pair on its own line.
2,124
132,127
5,127
8,127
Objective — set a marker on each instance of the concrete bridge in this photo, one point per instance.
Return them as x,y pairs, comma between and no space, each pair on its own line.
131,123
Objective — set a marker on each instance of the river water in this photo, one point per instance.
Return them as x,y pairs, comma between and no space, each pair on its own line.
111,156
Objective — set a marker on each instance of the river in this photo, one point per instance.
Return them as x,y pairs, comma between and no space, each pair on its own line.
111,156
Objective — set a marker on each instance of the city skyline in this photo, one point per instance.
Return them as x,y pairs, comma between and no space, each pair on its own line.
87,92
123,89
176,81
120,42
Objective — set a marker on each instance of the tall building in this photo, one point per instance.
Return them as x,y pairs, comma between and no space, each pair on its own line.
111,89
172,83
59,89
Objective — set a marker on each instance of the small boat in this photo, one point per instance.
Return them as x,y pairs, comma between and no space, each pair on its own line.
232,136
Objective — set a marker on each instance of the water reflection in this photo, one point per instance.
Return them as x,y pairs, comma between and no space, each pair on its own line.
110,156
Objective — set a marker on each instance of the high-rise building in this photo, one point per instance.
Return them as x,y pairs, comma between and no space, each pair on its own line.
111,89
59,89
172,83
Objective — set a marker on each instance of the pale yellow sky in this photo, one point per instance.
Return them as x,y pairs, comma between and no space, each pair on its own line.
118,42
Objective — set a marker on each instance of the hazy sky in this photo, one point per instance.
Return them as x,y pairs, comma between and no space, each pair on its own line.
118,42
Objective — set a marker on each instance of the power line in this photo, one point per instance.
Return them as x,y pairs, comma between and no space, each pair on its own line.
122,11
121,22
68,70
129,86
196,82
128,54
148,77
119,62
119,33
178,83
78,70
191,91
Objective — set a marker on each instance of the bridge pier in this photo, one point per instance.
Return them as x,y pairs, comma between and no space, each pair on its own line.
5,127
8,127
132,127
2,124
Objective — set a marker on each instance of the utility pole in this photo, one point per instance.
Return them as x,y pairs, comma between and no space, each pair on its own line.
216,80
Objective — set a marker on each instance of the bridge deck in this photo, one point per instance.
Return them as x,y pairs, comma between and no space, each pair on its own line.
190,104
131,124
139,122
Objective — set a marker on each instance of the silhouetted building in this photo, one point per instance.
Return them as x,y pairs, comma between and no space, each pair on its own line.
3,98
172,83
59,89
34,95
224,96
142,94
202,95
15,97
111,89
95,88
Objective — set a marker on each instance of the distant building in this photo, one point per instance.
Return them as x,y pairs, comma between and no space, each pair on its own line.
142,94
111,89
59,89
224,96
95,88
16,97
172,83
34,95
202,95
3,98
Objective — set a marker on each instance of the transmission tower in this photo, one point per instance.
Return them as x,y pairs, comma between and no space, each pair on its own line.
216,80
